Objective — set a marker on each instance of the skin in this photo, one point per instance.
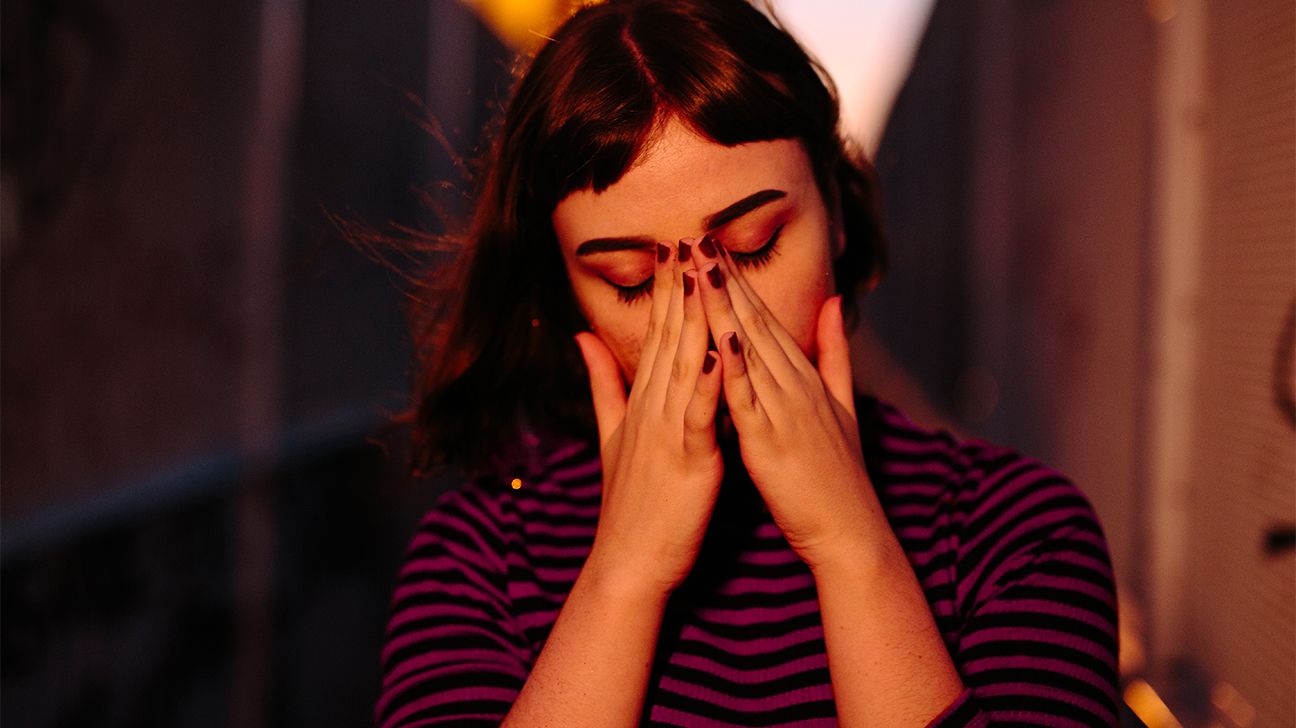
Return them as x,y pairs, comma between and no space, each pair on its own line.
679,181
782,366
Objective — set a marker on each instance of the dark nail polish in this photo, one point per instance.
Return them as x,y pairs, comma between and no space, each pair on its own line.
733,344
709,363
685,250
688,285
663,253
716,277
707,247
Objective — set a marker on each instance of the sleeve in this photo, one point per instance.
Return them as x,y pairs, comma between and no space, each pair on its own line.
1038,638
453,652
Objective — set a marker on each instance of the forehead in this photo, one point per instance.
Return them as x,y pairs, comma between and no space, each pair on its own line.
679,180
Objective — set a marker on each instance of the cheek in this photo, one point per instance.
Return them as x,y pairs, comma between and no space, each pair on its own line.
796,299
800,316
625,342
621,327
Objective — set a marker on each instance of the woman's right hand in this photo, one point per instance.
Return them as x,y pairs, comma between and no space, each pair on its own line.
661,464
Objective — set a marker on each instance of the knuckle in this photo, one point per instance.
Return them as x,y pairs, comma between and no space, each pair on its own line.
677,370
695,421
753,321
715,299
669,338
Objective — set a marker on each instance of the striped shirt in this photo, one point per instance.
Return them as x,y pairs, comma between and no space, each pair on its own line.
1009,553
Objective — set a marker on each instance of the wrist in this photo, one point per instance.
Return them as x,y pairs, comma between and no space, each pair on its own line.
615,577
856,558
859,538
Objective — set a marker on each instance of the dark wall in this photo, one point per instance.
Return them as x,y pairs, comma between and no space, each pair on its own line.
150,554
122,127
1015,172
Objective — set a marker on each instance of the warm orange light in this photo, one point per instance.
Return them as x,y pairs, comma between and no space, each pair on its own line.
517,483
1231,703
523,23
1148,706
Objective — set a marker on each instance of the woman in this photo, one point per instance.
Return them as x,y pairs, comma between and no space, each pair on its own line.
670,230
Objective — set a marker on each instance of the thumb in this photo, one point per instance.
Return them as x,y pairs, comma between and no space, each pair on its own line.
606,385
834,355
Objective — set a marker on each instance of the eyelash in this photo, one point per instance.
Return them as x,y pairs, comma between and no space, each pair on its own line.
755,259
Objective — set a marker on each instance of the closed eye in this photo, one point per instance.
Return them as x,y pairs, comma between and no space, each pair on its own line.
630,294
761,255
754,259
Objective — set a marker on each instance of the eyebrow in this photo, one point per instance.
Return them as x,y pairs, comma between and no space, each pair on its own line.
713,221
742,207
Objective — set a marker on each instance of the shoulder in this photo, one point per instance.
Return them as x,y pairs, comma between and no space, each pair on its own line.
1015,501
983,522
988,480
996,501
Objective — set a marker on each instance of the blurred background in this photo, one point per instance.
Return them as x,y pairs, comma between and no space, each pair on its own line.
1092,207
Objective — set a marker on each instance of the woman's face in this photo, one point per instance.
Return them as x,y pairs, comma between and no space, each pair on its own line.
759,200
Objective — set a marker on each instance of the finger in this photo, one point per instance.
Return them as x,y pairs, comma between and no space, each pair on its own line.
700,415
744,404
754,321
690,353
791,349
656,319
834,354
669,288
606,386
722,319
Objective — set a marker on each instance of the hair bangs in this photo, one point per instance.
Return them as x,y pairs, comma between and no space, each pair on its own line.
635,73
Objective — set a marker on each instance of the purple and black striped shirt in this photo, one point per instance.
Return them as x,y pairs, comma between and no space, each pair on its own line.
1009,553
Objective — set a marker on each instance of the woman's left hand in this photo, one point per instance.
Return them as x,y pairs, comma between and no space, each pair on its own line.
796,422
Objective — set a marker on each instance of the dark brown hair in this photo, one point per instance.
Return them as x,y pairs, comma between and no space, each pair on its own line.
495,353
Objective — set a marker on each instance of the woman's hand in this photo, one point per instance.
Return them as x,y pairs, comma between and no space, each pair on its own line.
796,422
661,464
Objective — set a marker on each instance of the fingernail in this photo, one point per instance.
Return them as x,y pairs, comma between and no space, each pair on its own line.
733,344
709,363
688,284
685,250
663,253
707,247
715,276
